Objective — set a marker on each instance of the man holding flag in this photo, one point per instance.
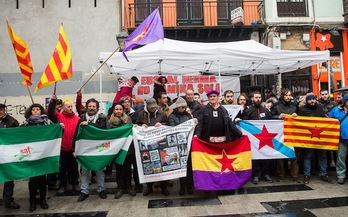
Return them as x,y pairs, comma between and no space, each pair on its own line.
7,121
94,118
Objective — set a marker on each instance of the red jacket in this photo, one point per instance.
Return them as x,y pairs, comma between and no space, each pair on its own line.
70,123
125,89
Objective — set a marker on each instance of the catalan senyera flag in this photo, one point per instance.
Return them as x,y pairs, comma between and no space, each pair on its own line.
149,31
311,132
60,65
23,56
35,152
96,148
221,167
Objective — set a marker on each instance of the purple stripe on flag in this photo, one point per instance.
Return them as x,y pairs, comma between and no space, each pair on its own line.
204,180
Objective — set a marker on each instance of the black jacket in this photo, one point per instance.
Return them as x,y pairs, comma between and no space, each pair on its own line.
327,105
312,111
283,107
195,108
256,113
8,121
204,125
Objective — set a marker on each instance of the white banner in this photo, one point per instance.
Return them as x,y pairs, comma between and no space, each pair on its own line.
179,84
162,152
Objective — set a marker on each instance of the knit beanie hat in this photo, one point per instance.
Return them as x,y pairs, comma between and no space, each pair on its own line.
180,102
310,96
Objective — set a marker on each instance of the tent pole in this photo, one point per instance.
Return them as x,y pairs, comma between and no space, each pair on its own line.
220,78
343,79
328,78
279,84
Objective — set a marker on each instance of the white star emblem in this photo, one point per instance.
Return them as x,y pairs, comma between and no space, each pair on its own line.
323,38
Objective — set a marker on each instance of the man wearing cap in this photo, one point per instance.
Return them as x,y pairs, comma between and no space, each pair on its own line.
214,122
341,112
152,116
126,89
7,121
313,109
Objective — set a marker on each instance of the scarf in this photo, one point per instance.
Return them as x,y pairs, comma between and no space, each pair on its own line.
37,120
93,118
118,121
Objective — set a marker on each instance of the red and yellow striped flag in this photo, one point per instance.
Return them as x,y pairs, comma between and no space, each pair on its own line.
60,65
23,56
311,132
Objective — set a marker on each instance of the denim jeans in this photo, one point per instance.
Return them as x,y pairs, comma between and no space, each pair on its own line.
341,159
322,159
85,178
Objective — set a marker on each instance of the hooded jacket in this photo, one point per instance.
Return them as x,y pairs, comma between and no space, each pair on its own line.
338,112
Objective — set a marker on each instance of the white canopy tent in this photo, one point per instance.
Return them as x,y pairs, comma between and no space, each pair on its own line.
172,57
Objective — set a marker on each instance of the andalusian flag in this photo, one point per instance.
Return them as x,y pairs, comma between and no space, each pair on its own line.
267,139
221,167
311,132
23,56
29,151
95,148
60,65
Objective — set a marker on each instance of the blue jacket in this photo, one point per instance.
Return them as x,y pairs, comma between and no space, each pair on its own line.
338,113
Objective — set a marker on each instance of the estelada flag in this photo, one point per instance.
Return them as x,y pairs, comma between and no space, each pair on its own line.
221,167
60,65
311,132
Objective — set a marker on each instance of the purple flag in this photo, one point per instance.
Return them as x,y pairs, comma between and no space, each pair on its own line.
149,31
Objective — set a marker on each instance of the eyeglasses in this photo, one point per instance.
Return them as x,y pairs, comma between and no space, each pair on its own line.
324,94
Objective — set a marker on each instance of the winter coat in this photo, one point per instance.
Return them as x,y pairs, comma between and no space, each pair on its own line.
150,119
283,107
177,118
70,121
8,121
195,108
203,128
312,111
125,90
338,113
327,105
256,113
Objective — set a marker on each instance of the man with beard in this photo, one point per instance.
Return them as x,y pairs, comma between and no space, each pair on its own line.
257,112
194,106
7,121
94,118
68,164
313,109
152,116
228,98
325,101
283,107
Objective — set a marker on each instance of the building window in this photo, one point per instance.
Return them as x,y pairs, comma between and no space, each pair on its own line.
224,9
292,8
143,9
189,12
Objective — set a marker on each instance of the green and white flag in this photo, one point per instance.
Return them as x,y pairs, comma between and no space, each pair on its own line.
95,148
29,151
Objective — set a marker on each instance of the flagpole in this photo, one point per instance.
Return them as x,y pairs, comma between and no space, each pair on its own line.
55,88
31,96
101,65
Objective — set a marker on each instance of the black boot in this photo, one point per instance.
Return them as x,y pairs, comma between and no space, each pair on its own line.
43,190
32,195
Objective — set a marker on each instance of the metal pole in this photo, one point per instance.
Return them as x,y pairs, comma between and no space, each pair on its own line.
101,89
343,79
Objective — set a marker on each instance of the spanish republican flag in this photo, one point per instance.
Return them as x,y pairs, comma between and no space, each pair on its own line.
221,167
60,65
23,56
311,132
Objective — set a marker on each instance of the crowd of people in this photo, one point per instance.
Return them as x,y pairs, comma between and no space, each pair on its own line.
214,125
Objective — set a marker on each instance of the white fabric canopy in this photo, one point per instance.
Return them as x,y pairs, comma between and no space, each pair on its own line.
172,57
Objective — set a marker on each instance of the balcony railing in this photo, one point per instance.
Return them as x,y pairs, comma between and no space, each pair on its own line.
292,8
194,13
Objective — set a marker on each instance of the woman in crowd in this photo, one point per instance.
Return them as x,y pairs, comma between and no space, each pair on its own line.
179,116
36,115
123,172
159,86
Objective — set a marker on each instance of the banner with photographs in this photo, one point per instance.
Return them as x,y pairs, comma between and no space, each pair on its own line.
162,152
